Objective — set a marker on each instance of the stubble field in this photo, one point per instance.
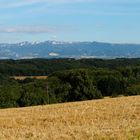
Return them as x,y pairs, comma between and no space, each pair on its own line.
109,118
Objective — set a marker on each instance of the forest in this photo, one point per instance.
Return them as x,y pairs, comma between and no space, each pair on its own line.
68,80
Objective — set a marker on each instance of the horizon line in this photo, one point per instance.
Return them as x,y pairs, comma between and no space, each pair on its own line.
64,41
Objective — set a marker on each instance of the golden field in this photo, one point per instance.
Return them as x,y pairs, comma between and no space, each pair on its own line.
31,77
109,118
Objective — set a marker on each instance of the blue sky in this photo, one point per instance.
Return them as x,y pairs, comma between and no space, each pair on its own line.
116,21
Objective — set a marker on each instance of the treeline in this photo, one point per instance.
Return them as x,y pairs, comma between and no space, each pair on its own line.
70,85
32,67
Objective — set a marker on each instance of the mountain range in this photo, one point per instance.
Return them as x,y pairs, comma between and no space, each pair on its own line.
58,49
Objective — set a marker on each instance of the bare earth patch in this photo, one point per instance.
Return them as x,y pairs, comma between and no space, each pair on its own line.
117,118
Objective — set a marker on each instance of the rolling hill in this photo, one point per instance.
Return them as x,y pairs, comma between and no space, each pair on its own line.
110,118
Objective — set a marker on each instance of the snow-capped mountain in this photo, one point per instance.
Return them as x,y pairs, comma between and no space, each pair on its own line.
59,49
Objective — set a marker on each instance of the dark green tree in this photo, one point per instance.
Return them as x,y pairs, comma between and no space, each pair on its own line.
109,86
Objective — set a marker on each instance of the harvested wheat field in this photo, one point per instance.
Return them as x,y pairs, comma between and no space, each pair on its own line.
30,77
110,118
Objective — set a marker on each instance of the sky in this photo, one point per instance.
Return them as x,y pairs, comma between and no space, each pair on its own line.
114,21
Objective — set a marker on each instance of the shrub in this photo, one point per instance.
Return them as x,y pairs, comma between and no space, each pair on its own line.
133,90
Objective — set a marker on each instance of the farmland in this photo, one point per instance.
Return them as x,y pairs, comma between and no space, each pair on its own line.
30,77
110,118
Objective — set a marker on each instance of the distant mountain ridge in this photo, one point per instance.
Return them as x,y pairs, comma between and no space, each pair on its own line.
59,49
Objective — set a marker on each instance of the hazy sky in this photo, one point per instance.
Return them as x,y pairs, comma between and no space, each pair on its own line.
70,20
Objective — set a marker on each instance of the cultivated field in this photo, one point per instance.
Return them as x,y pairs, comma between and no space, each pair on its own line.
117,118
31,77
